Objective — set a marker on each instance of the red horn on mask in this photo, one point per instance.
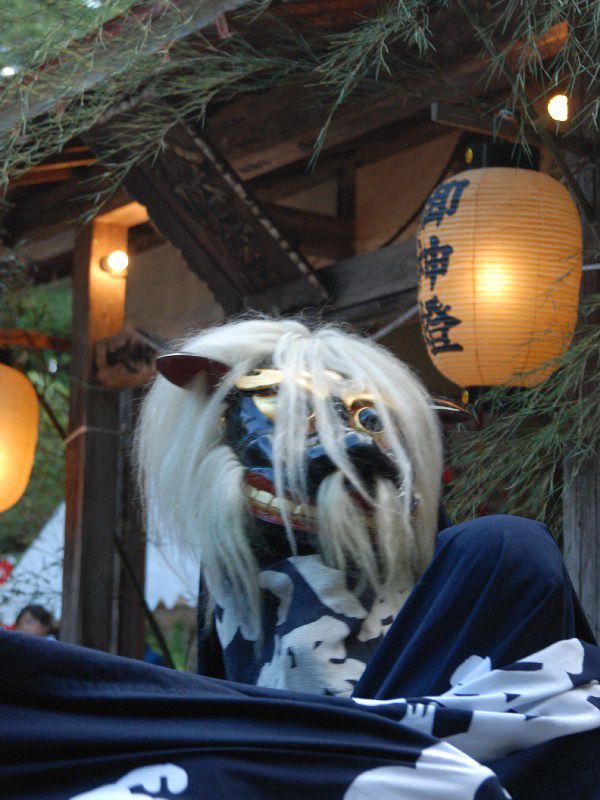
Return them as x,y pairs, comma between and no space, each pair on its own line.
182,368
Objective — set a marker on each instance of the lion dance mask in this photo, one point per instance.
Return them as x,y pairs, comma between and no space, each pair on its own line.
302,468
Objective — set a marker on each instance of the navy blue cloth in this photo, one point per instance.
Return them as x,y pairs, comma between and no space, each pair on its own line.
491,610
497,586
74,721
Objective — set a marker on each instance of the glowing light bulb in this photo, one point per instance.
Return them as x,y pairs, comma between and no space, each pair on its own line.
8,71
116,263
558,107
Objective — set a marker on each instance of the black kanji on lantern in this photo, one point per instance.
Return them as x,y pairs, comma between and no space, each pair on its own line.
437,323
443,201
434,260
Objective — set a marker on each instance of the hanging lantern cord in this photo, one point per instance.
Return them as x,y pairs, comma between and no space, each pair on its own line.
51,415
162,642
544,135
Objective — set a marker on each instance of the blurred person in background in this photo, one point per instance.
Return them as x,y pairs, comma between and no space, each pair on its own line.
35,619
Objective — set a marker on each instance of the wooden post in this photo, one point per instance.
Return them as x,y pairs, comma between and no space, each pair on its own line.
131,618
581,496
93,475
581,509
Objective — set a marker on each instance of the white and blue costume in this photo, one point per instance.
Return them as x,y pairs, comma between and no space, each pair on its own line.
484,686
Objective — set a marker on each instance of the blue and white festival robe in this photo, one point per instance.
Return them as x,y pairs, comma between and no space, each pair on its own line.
484,687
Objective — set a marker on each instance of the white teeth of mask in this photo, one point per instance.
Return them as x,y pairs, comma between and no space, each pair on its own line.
266,501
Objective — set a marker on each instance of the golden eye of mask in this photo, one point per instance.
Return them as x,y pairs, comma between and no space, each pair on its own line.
264,385
360,415
368,420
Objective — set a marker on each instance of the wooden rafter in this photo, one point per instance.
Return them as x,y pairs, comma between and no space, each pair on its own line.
194,17
254,150
202,207
45,212
32,340
503,128
36,177
65,160
313,232
389,140
336,14
56,168
361,288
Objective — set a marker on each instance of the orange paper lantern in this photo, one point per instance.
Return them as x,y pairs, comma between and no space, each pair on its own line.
499,253
18,434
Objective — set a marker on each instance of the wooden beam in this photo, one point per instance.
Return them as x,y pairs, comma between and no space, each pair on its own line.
326,14
148,22
503,128
32,340
294,122
127,215
202,208
346,193
581,521
367,281
37,249
34,178
45,213
389,140
581,494
92,449
64,161
364,287
274,186
316,233
294,127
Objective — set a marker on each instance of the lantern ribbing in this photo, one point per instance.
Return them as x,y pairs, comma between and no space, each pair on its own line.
500,268
18,434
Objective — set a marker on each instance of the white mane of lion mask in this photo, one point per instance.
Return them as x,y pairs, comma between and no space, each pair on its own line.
311,388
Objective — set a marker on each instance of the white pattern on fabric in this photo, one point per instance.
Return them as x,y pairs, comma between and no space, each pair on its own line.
308,648
441,771
313,655
520,706
279,584
381,615
149,778
329,585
